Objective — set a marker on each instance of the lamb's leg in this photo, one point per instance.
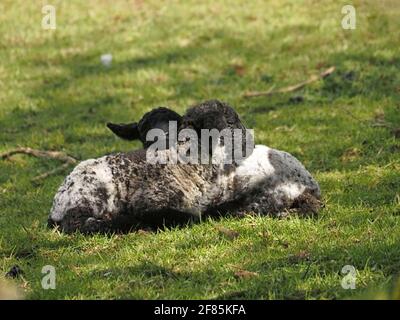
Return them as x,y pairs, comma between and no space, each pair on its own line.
80,219
87,199
305,204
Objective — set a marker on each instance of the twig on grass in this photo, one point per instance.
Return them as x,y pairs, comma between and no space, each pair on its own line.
57,155
291,88
379,123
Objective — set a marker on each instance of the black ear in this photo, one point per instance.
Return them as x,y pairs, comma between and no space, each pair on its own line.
125,131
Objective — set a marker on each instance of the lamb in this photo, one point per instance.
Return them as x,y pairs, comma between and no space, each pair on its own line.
123,191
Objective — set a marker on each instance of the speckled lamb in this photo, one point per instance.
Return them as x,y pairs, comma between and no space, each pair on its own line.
123,191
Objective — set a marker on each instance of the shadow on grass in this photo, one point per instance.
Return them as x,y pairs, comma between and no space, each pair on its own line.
282,278
373,78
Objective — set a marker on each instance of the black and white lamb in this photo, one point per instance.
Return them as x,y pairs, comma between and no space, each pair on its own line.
123,191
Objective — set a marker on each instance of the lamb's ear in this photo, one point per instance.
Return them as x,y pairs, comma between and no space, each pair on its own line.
127,131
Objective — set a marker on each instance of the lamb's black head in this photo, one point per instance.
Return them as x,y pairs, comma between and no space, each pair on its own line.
155,119
214,114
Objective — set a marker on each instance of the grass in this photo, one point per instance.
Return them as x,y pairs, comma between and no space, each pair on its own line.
55,95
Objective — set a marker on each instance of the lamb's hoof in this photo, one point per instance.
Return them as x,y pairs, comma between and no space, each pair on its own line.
74,220
51,223
307,204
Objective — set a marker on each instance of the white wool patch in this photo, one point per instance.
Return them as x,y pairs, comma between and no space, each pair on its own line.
78,190
290,189
257,166
257,172
253,170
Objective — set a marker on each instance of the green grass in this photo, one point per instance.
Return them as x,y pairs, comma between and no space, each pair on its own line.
55,95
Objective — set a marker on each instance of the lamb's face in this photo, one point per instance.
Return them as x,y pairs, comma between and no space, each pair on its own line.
87,194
